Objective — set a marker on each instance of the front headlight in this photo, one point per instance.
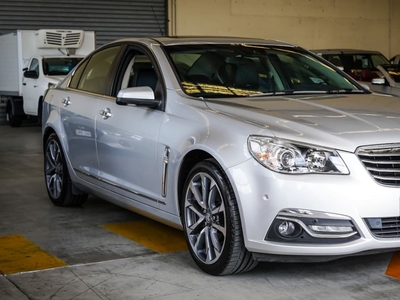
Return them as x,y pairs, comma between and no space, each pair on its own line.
286,157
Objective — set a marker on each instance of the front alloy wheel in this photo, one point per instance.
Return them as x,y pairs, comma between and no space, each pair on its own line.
212,224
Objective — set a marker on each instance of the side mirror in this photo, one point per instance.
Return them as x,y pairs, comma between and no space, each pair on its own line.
139,96
364,85
379,81
31,74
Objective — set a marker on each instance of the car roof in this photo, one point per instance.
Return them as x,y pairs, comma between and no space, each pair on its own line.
345,51
182,40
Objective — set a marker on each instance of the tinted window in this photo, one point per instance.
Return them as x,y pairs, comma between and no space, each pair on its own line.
77,75
92,76
59,65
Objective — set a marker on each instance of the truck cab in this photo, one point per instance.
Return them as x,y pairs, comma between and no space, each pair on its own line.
42,73
31,61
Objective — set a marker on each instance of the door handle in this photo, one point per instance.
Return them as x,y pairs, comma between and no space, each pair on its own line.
106,113
35,86
66,101
24,83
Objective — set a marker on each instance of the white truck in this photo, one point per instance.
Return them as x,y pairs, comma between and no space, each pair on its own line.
31,61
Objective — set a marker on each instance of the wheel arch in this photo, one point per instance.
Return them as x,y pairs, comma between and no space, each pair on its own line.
239,258
46,134
189,161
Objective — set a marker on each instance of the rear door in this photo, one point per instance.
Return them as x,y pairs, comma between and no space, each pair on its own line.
79,110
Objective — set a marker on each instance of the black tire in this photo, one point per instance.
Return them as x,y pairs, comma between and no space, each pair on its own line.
13,120
58,181
212,228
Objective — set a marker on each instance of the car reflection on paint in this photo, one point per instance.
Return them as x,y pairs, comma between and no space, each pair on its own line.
259,150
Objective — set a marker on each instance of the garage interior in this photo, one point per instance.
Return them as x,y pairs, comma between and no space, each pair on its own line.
101,251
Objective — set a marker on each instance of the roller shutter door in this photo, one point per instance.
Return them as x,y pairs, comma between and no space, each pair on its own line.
109,19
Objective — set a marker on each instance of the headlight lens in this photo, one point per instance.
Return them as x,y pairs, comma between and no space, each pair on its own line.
287,157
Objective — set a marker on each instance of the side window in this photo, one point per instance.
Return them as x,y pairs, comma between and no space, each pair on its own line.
335,59
92,75
77,75
141,72
34,66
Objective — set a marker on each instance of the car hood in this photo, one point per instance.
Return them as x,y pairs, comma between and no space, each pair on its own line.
343,121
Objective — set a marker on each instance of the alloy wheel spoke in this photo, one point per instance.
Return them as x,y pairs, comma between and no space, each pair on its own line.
212,195
50,166
199,242
209,246
215,240
205,185
195,189
196,222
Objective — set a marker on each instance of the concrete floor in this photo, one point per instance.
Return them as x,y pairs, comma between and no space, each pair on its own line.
91,262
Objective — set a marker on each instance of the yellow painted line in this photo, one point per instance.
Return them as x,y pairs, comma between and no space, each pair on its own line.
18,254
393,270
151,234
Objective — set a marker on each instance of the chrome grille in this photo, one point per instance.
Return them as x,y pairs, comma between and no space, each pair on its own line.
384,227
383,163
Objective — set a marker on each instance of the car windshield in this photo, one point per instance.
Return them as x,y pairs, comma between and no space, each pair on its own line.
59,65
251,70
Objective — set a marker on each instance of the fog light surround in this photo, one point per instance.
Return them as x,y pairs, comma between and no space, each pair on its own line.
331,229
307,226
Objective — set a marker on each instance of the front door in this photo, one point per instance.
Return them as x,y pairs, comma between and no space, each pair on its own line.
32,90
127,147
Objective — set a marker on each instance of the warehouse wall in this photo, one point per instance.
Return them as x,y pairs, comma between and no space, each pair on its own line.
364,24
109,19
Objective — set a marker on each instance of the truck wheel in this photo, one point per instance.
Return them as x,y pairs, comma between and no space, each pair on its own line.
58,181
211,222
13,120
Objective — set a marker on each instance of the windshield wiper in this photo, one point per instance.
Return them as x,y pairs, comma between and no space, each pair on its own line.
287,92
345,91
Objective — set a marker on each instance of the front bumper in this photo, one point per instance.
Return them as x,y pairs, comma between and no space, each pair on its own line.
262,195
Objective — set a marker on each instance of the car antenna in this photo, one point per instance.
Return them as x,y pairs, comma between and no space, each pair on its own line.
155,17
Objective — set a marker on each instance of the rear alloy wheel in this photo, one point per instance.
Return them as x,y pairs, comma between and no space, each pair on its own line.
58,181
212,224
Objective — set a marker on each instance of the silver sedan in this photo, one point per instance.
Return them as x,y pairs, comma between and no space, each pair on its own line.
257,149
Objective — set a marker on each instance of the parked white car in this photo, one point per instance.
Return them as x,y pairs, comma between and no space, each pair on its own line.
389,82
258,149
